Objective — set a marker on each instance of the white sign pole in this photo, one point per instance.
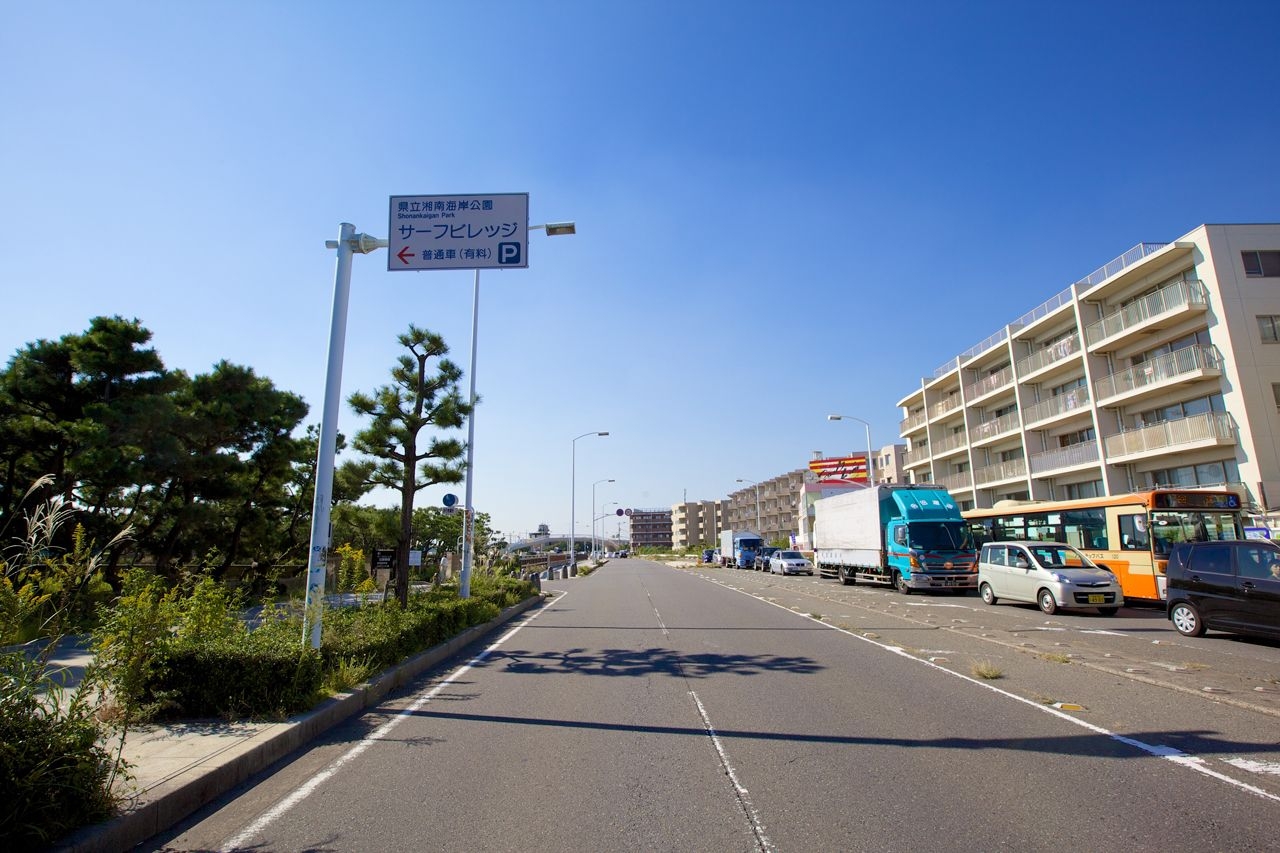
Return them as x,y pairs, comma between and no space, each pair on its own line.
468,519
347,243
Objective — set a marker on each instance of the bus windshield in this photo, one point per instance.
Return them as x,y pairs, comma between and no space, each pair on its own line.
1169,527
941,536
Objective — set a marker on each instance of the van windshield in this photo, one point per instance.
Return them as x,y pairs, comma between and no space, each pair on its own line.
941,536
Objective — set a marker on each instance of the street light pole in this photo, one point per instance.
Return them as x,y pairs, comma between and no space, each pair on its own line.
757,485
593,512
871,471
552,229
573,499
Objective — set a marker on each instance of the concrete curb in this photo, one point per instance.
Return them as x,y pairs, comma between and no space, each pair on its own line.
169,802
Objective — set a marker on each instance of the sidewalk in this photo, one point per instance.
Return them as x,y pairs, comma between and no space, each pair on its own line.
179,767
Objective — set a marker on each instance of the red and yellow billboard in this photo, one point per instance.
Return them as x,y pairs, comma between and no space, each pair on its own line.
841,470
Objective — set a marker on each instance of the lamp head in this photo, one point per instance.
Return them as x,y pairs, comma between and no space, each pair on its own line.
834,417
556,229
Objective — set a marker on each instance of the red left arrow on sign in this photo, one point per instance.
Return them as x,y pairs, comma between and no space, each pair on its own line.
401,255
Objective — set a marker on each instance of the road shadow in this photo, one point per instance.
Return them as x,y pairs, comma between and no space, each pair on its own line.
644,662
1200,742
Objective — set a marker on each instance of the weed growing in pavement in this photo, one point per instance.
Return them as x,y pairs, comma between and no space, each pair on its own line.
1054,657
817,616
986,669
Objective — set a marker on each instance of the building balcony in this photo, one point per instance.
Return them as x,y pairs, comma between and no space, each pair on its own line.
938,410
912,422
1151,377
915,457
956,482
1064,458
1198,431
988,385
994,429
1012,469
1074,402
950,445
1040,361
1168,305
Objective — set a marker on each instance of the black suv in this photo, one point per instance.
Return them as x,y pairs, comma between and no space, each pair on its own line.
1228,586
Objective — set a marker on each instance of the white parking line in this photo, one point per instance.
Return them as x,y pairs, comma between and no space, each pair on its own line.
241,840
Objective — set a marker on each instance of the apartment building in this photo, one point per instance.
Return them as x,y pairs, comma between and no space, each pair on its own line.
768,507
650,528
696,524
1161,368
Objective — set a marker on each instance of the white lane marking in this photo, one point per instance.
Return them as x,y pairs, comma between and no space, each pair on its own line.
241,840
1268,767
1101,631
744,800
1168,753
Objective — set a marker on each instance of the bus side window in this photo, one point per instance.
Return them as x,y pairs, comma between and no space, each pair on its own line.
1133,533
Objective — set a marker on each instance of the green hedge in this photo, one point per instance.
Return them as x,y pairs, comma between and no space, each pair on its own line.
266,672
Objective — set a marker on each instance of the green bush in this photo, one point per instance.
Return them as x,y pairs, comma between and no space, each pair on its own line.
55,773
206,663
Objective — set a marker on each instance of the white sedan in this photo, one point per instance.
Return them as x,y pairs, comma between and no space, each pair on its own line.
789,563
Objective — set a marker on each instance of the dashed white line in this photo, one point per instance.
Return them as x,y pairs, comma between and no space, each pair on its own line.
1168,753
744,800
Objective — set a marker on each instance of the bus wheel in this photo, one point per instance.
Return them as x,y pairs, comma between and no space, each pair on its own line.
901,583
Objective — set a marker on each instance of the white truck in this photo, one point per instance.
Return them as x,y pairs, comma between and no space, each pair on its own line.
909,536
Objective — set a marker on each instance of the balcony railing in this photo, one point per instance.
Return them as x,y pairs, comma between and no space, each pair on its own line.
995,426
950,442
1064,348
1169,366
1083,453
990,383
956,482
1129,258
1076,398
1210,426
950,404
1168,299
1009,470
912,421
915,457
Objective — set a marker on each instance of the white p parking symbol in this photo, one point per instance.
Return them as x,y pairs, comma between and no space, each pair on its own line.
508,253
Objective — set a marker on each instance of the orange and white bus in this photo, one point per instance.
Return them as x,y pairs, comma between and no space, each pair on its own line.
1129,534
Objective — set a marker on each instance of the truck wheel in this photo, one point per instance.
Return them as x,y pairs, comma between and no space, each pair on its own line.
846,578
901,583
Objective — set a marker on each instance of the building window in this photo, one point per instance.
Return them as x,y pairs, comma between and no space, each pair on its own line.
1261,264
1269,328
1075,491
1205,474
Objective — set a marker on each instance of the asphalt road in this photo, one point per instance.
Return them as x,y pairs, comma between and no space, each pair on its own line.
651,708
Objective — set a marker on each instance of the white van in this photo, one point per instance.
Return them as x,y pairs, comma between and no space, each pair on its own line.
1049,574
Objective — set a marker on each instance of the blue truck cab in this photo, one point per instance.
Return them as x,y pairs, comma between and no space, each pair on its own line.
928,545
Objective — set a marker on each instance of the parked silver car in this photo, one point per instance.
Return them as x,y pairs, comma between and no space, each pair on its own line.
789,563
1050,574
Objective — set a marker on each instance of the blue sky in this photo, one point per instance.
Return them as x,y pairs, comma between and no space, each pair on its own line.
784,210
